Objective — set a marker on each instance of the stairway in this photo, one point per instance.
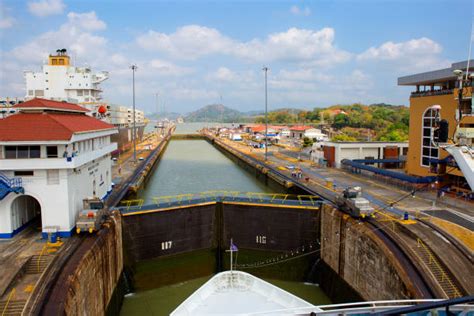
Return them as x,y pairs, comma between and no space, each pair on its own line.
13,308
437,270
10,185
37,264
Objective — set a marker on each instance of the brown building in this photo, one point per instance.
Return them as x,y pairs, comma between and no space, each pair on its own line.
436,98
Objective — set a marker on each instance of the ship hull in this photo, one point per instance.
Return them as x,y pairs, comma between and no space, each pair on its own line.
124,138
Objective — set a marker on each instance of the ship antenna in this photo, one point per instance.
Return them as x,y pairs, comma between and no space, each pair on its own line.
469,54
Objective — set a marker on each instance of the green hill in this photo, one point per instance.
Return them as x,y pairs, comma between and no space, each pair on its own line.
215,113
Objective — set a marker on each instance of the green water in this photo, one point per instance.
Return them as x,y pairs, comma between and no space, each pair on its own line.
194,166
164,300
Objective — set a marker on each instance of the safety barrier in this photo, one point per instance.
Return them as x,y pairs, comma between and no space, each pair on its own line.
438,272
130,206
10,296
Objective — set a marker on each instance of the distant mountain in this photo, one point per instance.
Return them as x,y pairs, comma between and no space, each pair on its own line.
215,113
165,115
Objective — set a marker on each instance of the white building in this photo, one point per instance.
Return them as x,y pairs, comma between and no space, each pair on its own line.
334,152
52,156
299,132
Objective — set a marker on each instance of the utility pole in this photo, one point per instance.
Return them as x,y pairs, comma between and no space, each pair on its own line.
265,68
134,138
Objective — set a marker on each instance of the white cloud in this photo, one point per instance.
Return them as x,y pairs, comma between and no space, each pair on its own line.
74,35
161,67
46,7
390,50
6,22
86,21
297,11
294,45
188,42
224,74
422,54
304,74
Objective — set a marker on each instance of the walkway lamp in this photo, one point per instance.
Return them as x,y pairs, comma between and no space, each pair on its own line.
265,69
134,138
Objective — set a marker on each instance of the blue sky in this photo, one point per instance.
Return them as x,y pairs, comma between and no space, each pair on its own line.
195,53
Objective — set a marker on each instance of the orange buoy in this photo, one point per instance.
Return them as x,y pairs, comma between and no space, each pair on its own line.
102,109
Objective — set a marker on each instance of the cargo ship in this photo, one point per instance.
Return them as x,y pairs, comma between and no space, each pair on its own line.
59,80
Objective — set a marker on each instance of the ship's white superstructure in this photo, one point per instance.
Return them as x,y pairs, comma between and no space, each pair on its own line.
59,80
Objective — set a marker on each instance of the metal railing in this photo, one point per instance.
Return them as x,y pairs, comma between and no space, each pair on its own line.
374,307
437,271
221,196
11,182
10,296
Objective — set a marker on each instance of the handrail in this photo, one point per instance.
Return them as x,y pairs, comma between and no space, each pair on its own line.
372,307
444,275
10,296
40,255
272,198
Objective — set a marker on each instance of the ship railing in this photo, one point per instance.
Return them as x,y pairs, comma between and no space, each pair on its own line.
222,196
385,307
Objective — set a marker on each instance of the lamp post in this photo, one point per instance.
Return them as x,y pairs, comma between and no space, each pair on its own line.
265,69
134,138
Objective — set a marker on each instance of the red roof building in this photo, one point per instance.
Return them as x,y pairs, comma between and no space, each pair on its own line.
300,128
47,120
47,126
50,105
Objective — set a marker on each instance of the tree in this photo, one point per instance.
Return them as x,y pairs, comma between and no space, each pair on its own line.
343,138
307,142
340,121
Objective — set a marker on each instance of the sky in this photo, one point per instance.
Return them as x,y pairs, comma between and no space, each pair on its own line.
194,53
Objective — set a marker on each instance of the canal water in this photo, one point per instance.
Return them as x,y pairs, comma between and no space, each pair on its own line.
194,166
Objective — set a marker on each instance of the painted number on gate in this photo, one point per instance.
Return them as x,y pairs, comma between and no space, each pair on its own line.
261,239
166,245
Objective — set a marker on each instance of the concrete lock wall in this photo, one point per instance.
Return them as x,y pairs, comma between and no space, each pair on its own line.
91,286
360,258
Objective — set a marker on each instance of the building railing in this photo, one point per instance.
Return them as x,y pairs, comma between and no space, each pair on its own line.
416,94
56,163
11,182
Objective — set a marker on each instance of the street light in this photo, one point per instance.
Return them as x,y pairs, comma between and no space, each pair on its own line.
134,138
265,68
459,74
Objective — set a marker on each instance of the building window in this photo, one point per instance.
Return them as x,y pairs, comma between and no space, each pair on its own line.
52,151
79,93
52,176
428,149
24,173
22,152
35,152
31,92
39,93
10,152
